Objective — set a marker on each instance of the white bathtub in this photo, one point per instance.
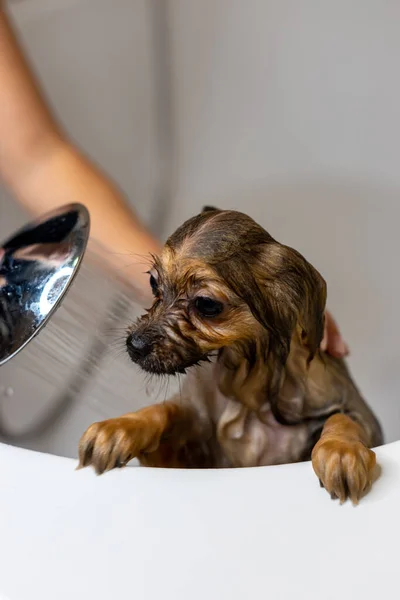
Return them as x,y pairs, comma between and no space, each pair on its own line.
299,126
268,532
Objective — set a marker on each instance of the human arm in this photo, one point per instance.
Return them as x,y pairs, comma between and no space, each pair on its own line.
43,170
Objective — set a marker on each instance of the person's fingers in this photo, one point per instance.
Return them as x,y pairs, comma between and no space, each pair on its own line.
324,343
337,347
333,342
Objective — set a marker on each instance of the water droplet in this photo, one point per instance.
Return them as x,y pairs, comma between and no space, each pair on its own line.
9,392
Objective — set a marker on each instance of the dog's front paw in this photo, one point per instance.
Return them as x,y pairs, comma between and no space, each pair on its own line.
344,467
113,443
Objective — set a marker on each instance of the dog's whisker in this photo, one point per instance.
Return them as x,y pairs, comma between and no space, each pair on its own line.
131,264
166,389
180,388
146,258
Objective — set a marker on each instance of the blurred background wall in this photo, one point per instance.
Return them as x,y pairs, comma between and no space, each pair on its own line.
287,110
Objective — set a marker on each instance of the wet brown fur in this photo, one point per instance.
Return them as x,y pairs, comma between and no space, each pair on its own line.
269,396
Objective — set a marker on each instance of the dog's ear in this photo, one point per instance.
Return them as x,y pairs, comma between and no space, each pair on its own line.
209,209
283,291
293,295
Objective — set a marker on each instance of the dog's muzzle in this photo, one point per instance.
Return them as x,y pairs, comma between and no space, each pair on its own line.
153,351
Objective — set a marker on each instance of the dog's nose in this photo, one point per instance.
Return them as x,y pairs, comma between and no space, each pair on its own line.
138,346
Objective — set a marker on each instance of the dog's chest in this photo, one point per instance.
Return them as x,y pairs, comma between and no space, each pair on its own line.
244,438
248,441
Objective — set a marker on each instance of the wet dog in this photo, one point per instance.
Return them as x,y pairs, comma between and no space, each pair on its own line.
244,315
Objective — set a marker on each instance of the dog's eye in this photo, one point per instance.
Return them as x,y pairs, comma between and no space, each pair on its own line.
208,307
154,285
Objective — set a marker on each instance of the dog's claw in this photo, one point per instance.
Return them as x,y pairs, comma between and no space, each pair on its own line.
112,444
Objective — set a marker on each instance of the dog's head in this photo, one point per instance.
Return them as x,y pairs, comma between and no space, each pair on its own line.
222,280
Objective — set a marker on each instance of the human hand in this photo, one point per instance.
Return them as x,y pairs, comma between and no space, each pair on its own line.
332,342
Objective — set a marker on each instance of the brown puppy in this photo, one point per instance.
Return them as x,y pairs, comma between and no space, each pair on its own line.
227,294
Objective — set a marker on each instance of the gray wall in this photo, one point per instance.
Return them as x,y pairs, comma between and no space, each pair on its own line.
286,110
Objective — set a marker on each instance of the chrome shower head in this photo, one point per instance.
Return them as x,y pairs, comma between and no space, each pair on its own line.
37,266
